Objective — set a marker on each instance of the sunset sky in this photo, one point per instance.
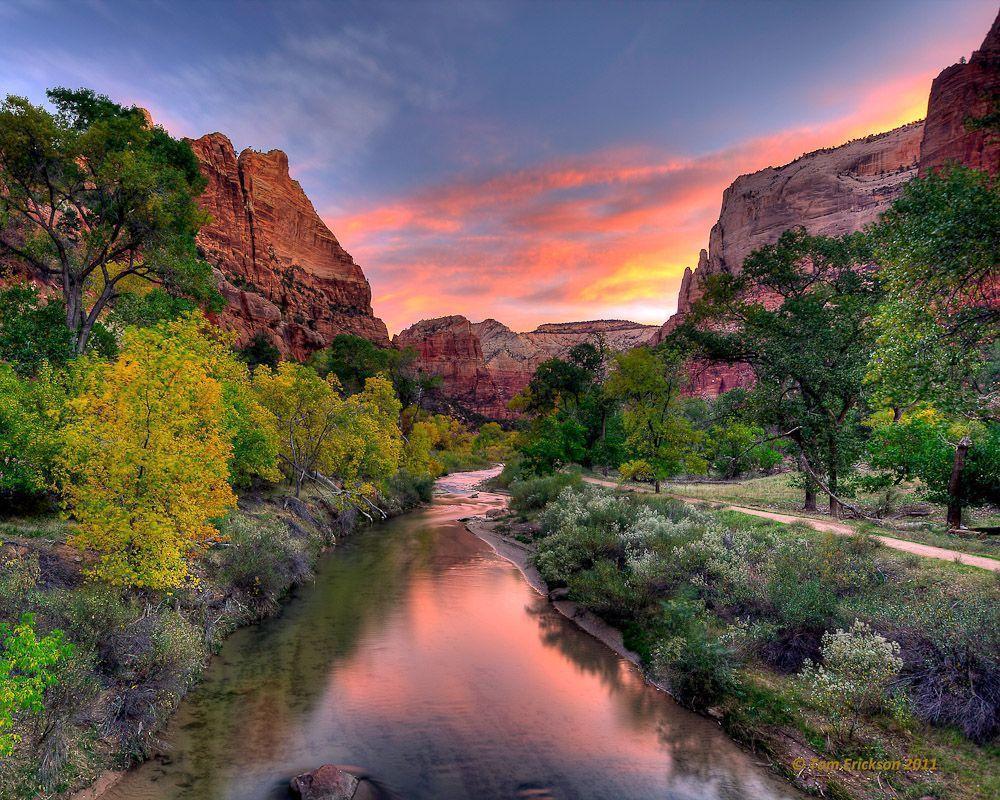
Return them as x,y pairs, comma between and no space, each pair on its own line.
532,162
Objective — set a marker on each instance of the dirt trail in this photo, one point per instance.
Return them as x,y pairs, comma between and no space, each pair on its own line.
926,550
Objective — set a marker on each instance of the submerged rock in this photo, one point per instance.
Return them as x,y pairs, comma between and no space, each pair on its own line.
329,782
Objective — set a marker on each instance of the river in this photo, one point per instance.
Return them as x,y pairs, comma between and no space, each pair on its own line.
421,657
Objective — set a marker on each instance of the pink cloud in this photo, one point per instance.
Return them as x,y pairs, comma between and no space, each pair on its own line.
608,233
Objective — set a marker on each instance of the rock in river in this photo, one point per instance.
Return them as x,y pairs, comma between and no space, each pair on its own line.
330,782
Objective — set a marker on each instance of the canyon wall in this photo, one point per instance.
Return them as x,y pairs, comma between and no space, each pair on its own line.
831,192
281,270
483,365
842,189
960,94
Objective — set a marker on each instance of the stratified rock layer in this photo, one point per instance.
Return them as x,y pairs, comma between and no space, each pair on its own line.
484,364
281,270
831,192
959,95
448,348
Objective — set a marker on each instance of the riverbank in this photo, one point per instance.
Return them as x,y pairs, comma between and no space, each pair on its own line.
726,620
786,747
137,655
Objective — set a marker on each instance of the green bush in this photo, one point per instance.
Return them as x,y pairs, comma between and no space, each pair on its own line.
699,667
262,559
533,494
410,490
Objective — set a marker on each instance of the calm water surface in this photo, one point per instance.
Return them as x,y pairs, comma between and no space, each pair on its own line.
423,658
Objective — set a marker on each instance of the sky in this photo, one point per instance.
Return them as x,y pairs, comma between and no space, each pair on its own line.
531,162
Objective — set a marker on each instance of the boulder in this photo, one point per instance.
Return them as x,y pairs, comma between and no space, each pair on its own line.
329,782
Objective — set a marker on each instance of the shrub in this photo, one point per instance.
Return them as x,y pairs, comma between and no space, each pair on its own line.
154,660
532,494
263,559
607,590
858,667
698,667
410,490
27,669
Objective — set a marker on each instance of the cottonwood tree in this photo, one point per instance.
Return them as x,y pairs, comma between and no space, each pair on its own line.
92,195
648,384
938,250
147,454
800,314
346,444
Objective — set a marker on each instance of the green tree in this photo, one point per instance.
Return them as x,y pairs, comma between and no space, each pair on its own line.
923,444
27,668
260,350
938,250
32,412
648,384
354,360
32,332
93,195
800,314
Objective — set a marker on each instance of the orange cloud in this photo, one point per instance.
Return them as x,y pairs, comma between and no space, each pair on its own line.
604,234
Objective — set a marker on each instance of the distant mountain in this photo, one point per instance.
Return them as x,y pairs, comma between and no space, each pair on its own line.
484,364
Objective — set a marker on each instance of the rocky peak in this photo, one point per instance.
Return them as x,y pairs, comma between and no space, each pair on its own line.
960,93
281,270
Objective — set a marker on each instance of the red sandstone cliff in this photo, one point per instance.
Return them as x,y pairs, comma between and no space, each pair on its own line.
281,270
449,348
484,364
960,93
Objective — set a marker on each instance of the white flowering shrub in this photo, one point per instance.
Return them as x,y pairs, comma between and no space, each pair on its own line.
732,561
858,668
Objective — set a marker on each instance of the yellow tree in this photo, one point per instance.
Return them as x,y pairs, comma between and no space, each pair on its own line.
354,442
147,454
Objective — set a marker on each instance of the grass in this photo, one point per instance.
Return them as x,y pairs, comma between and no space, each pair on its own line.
50,526
777,493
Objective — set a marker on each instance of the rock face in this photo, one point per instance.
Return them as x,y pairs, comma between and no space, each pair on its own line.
960,93
831,192
511,358
449,348
281,270
484,364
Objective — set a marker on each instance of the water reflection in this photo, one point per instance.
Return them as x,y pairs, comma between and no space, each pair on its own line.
424,658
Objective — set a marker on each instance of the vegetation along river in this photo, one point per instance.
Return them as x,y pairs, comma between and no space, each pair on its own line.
425,659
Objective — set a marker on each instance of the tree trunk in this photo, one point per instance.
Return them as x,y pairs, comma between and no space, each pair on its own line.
955,484
656,485
835,509
810,488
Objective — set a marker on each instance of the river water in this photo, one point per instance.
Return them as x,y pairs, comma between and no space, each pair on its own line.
421,657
